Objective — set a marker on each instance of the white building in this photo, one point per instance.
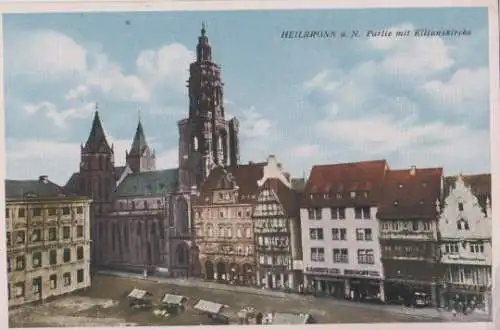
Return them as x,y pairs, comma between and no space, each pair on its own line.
466,231
339,229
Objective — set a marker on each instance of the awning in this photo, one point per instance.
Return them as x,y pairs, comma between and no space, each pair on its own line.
208,306
139,294
173,299
290,318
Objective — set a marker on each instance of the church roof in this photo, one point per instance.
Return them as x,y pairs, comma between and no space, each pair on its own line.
153,183
73,184
38,189
97,143
139,145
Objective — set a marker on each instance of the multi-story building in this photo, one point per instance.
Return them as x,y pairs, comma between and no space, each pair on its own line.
409,232
138,223
466,228
223,225
341,252
48,240
277,229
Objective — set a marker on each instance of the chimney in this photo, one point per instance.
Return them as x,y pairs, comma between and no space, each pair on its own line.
250,163
287,175
43,179
413,170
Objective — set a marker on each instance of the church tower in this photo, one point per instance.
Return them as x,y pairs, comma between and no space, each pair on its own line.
140,158
97,168
206,138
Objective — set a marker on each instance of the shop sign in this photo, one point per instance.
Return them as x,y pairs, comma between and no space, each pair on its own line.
457,257
323,270
352,272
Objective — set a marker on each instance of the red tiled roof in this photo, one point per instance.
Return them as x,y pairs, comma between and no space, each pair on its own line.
407,194
244,176
326,181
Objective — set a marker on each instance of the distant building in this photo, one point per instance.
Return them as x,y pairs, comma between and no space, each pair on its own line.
466,232
341,251
223,226
409,232
48,240
277,229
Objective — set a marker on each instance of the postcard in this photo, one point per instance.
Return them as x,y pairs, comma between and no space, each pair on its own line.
235,163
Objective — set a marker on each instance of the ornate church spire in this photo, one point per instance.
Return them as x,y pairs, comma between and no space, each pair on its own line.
97,142
140,158
203,49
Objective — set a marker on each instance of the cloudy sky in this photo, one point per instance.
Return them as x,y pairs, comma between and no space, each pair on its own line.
412,101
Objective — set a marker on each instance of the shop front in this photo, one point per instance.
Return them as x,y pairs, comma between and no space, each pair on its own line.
463,297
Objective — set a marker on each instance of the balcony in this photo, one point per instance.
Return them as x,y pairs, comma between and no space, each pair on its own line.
407,235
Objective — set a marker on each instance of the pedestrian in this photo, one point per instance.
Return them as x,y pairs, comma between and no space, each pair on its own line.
145,274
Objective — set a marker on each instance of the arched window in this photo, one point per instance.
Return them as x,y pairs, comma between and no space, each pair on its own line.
195,143
210,230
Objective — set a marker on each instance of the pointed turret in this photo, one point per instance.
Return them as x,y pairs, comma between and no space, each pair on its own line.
97,143
203,49
140,158
139,145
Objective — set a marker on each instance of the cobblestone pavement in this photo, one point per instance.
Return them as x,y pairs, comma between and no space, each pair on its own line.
105,304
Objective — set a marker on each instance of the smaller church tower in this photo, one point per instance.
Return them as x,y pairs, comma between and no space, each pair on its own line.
97,167
140,158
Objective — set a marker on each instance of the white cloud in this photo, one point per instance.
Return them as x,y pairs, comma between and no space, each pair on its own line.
45,54
305,150
254,124
60,117
79,92
408,105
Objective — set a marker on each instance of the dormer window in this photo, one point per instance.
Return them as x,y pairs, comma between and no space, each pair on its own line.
460,206
396,203
353,194
400,185
339,195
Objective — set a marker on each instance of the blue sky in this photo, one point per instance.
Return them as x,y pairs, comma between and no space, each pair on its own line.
412,101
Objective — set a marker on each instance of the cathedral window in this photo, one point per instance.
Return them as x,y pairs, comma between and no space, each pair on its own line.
463,224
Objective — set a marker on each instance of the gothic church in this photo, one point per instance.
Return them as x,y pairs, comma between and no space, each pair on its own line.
141,216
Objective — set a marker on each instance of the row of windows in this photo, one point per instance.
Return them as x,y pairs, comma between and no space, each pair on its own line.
137,205
340,234
225,231
19,288
406,225
340,195
222,213
37,260
453,248
280,242
38,211
274,260
37,235
469,275
339,213
341,256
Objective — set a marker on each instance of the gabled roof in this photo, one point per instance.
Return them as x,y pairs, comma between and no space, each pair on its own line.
480,185
410,193
288,198
245,176
97,143
152,183
139,144
36,189
331,185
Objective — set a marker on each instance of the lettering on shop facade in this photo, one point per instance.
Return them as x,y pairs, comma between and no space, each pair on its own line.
337,271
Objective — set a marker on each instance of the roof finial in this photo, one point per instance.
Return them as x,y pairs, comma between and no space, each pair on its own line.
96,106
139,114
203,30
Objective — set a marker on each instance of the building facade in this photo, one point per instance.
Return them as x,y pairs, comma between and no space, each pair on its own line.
341,251
48,240
277,229
466,232
223,225
409,232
